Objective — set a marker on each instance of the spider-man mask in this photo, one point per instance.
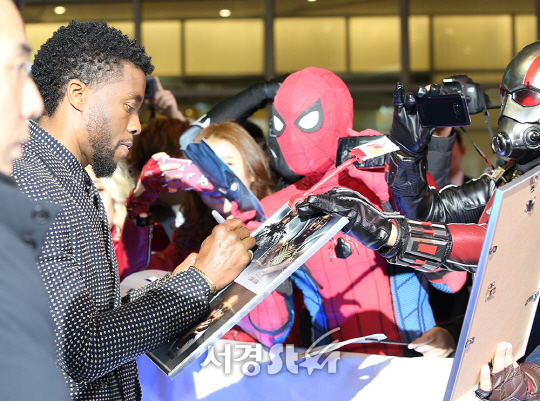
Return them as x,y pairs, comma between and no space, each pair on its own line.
312,108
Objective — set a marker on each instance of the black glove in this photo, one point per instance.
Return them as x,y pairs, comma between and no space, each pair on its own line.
366,223
406,131
373,228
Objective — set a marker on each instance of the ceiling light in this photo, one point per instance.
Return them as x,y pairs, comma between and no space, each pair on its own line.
311,1
59,10
224,13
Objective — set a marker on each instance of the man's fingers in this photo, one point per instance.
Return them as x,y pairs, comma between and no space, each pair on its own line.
509,357
485,378
423,343
243,232
499,358
420,341
235,224
232,224
423,348
249,242
163,98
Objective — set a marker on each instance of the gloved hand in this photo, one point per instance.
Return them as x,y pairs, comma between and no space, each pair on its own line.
164,174
508,380
406,131
366,223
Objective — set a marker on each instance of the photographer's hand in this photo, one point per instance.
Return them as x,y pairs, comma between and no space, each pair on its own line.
406,131
164,103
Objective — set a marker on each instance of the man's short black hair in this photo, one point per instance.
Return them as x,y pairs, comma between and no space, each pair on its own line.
92,52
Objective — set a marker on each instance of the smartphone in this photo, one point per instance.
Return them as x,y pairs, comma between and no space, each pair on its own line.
443,111
347,143
151,88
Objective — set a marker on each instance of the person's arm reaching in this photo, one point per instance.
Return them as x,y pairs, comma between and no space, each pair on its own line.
406,170
425,246
165,103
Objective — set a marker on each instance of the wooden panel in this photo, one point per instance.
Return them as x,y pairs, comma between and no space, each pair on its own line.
509,270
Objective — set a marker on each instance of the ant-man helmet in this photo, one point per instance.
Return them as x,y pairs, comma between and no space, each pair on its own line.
518,136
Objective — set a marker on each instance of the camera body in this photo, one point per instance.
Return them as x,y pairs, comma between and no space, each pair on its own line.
462,97
476,97
443,111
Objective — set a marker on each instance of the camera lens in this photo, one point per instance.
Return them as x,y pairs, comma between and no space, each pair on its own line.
501,144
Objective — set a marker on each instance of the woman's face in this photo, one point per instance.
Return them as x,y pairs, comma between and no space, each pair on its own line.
232,157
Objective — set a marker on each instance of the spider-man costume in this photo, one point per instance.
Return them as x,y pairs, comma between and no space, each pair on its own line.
358,291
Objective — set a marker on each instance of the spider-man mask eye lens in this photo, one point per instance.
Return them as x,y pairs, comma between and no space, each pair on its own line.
311,120
278,126
526,97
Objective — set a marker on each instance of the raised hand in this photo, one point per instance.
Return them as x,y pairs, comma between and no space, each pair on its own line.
165,103
406,131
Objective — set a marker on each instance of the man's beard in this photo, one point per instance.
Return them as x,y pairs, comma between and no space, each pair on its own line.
103,163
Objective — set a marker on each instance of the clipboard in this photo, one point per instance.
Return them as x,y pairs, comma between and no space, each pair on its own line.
503,303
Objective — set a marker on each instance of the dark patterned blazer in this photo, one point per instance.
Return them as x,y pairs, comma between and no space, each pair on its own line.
97,335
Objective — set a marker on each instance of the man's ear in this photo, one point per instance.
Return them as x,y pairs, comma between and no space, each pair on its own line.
77,94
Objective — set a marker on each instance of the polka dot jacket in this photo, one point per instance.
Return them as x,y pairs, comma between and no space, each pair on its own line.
97,334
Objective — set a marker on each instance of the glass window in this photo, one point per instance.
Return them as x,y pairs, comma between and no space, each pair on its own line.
218,47
305,42
162,40
482,42
375,44
38,34
525,26
127,27
419,43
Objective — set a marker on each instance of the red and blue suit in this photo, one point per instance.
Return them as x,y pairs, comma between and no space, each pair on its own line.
344,285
